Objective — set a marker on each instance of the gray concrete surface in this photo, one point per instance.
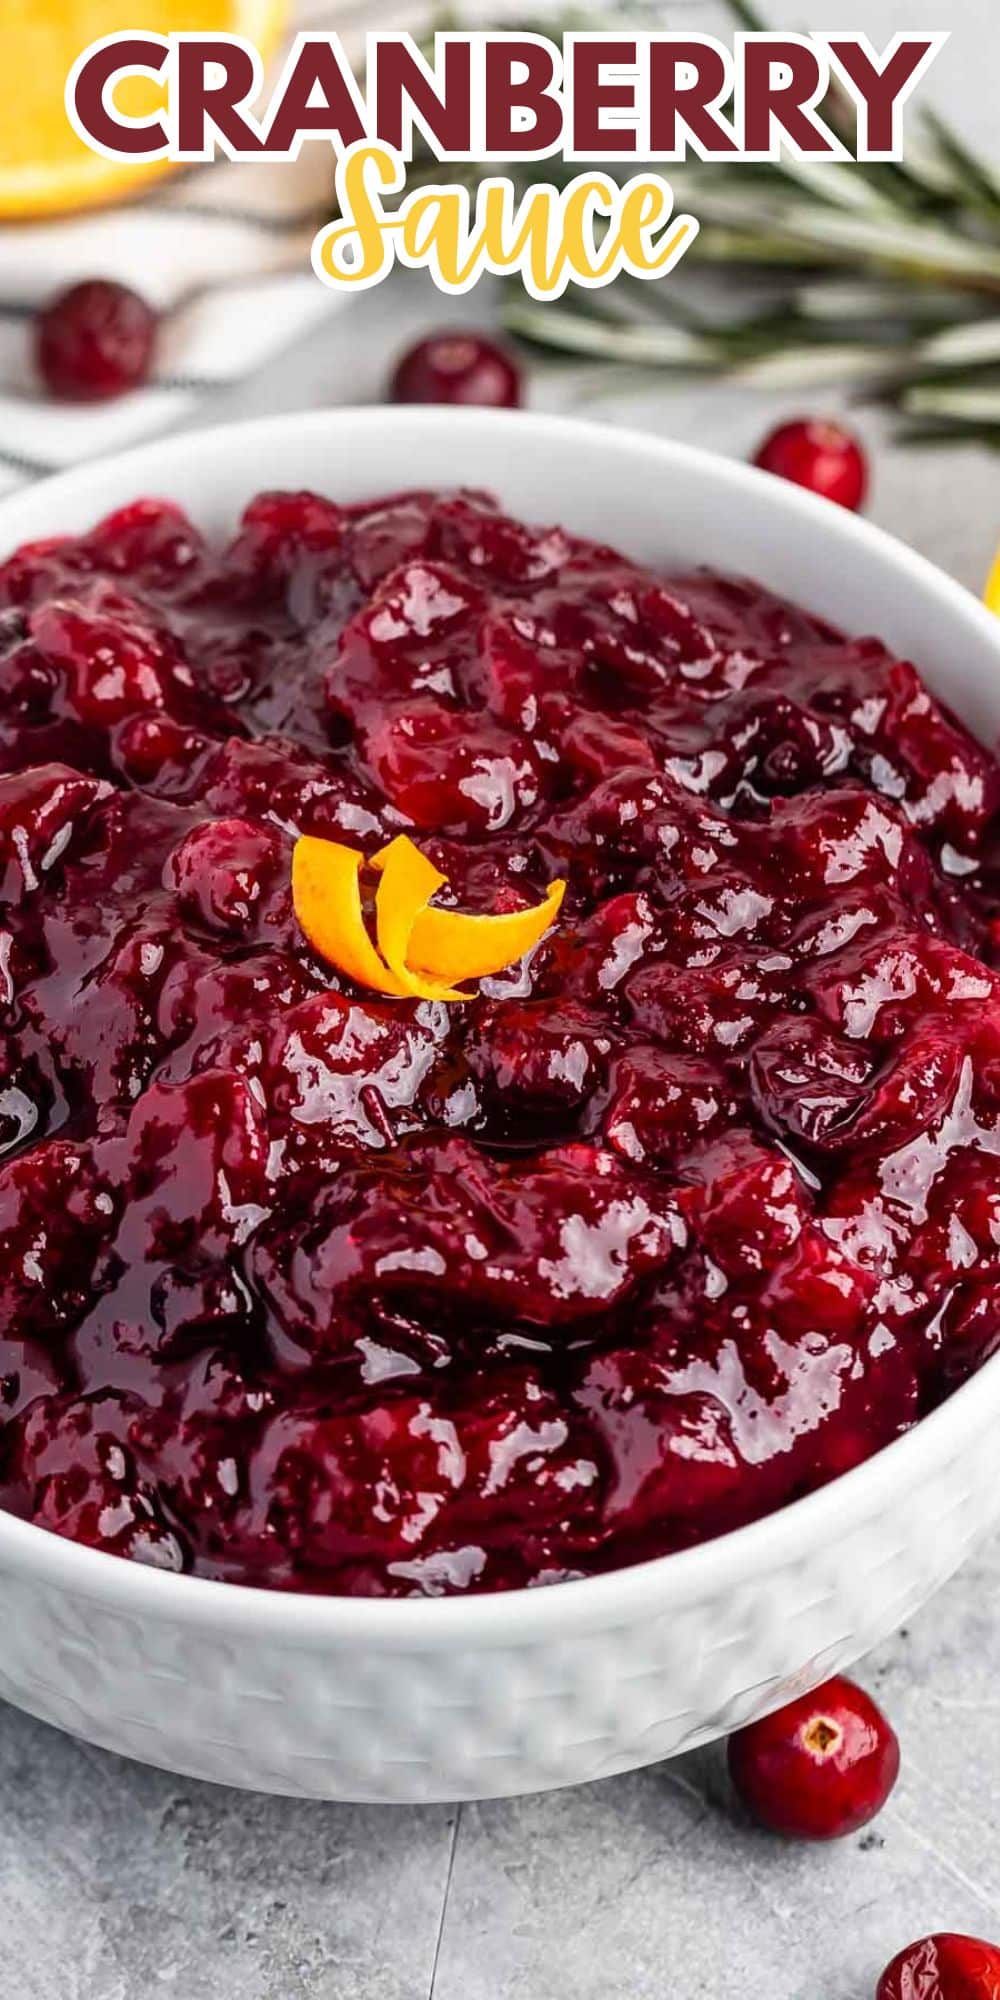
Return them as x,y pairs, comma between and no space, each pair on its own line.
118,1883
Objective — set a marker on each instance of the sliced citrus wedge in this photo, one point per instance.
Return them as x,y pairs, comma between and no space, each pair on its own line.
44,166
991,595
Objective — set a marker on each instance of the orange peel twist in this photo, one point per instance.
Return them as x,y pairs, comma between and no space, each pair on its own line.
423,953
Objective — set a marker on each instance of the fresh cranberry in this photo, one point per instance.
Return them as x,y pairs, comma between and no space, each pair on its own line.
457,368
946,1966
95,341
821,456
821,1767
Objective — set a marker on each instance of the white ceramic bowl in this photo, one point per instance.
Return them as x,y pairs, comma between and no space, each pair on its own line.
339,1698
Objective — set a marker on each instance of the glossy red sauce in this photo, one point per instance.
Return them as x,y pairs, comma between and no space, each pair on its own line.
690,1213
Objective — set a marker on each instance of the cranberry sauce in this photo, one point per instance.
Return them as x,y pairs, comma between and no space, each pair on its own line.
694,1210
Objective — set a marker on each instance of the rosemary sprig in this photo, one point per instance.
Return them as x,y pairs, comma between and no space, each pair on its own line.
883,277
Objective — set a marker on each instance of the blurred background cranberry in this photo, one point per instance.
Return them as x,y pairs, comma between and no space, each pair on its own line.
823,457
457,368
94,341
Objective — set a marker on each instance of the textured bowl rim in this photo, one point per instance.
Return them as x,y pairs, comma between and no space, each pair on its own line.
662,1583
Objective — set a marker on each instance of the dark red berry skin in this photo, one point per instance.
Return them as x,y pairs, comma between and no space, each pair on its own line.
316,1289
946,1966
94,341
820,1768
822,457
457,368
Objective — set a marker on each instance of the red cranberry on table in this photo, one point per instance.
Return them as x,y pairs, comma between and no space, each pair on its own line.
457,368
947,1966
94,341
821,1767
823,457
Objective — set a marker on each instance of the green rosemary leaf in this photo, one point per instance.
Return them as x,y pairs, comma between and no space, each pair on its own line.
762,250
924,251
889,301
974,346
975,176
928,432
882,275
839,184
798,367
741,10
582,333
960,404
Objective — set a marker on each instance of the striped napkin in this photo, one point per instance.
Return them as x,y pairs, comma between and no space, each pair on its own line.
222,251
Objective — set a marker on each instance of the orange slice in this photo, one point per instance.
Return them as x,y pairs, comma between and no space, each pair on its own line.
991,595
44,166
